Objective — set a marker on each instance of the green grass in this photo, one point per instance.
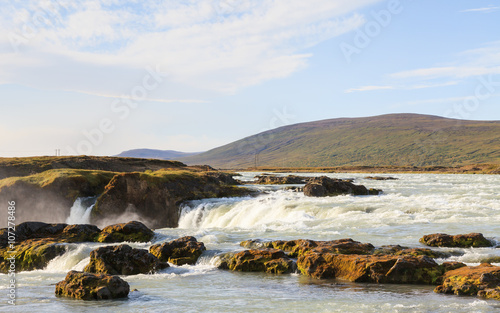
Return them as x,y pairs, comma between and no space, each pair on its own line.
388,140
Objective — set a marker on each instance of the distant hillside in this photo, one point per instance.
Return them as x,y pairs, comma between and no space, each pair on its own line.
155,154
394,139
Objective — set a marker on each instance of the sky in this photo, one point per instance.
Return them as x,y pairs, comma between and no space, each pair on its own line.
98,77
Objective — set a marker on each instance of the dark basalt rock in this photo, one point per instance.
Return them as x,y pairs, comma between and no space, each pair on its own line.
87,286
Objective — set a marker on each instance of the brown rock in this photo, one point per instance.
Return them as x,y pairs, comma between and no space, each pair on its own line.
266,260
324,186
123,260
185,250
482,280
87,286
458,241
132,231
371,268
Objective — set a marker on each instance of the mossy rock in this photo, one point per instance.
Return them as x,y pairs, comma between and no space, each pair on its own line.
185,250
132,232
88,286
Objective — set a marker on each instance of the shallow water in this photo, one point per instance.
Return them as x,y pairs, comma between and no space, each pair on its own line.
410,207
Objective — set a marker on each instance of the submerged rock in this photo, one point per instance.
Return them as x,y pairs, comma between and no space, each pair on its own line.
482,280
132,231
87,286
267,260
324,186
185,250
123,260
381,178
458,241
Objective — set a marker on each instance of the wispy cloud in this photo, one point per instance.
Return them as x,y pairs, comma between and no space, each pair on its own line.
483,9
200,43
411,87
142,100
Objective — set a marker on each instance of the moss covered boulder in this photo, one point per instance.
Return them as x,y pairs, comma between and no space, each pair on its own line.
475,240
88,286
185,250
123,260
400,250
296,248
132,231
482,280
38,243
266,260
324,186
372,268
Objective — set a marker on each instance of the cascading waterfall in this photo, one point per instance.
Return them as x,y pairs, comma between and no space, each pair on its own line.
80,211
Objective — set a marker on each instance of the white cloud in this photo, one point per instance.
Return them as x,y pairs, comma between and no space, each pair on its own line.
483,9
220,45
410,87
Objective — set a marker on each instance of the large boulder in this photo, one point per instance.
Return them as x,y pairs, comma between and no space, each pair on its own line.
296,248
280,180
123,260
132,232
324,186
38,243
155,197
87,286
373,268
185,250
266,260
400,250
458,241
482,280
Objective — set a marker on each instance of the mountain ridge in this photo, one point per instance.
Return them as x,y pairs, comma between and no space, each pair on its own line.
391,139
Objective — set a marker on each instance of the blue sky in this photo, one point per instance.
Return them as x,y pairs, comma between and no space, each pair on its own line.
102,76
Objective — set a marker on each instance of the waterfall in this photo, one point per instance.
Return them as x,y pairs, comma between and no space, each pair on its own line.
80,211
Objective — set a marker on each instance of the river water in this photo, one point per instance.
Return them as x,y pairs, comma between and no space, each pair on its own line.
413,205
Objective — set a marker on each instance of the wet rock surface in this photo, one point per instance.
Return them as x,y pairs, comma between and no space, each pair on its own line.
123,260
132,231
475,240
324,186
266,260
88,286
482,280
185,250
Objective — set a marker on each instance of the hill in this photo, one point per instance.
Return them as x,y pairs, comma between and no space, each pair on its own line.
155,154
386,140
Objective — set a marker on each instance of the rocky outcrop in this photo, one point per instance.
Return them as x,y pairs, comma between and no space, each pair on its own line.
266,260
458,241
132,232
373,268
38,243
185,250
123,260
296,248
400,250
280,180
87,286
482,280
155,197
324,186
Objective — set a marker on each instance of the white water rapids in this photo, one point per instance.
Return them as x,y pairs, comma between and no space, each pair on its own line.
410,207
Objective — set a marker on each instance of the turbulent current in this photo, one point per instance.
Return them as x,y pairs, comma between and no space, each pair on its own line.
413,205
